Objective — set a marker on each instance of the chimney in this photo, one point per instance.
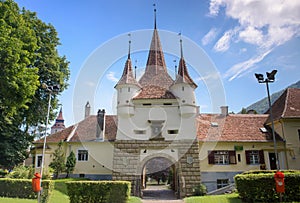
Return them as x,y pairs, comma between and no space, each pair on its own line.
224,110
87,110
100,124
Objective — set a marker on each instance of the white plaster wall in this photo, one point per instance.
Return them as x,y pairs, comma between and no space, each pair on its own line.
157,111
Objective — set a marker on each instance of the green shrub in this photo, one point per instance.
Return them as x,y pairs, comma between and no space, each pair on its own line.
22,188
21,172
254,186
98,191
199,190
3,173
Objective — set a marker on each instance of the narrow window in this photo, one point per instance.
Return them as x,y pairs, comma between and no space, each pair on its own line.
182,88
299,134
167,104
140,131
39,159
128,89
239,157
147,104
172,131
82,155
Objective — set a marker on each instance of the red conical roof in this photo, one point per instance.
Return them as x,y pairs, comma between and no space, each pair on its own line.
183,74
127,76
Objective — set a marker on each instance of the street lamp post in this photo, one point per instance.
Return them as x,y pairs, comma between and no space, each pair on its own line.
270,78
50,89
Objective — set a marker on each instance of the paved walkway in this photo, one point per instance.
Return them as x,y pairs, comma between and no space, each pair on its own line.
159,194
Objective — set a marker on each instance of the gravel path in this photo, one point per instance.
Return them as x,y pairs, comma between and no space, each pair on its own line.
159,194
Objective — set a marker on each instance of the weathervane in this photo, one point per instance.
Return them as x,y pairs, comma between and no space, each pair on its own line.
154,5
129,44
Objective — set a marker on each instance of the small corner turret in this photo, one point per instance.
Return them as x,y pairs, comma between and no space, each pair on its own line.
127,88
183,87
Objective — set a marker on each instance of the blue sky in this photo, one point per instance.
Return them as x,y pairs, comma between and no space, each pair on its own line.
239,37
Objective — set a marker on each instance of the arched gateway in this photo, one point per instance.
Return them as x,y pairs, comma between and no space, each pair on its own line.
156,118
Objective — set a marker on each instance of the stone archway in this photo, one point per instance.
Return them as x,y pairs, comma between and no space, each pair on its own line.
160,167
130,157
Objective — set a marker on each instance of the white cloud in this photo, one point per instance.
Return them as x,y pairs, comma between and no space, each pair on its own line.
266,24
223,43
237,70
251,36
210,76
214,7
111,76
210,36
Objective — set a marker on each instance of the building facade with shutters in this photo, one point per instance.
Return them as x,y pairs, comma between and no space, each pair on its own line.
157,116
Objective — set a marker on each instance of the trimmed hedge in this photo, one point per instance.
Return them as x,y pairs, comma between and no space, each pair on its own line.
254,186
98,191
22,188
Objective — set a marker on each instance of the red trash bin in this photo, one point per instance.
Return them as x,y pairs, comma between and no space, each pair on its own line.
279,181
36,182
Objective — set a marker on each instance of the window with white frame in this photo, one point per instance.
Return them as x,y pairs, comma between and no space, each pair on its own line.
255,157
222,157
222,183
38,161
82,155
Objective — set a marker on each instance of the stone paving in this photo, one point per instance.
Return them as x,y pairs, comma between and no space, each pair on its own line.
159,194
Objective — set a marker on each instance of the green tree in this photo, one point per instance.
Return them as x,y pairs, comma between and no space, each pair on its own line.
58,162
244,111
28,58
70,164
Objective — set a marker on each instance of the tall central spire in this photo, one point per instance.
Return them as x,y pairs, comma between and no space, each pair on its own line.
156,70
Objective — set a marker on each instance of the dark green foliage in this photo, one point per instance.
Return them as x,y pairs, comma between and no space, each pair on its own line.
254,186
22,188
98,191
70,164
58,162
199,190
28,58
3,173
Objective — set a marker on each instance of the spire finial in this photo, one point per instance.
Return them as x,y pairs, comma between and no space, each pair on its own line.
154,5
135,69
181,50
175,66
129,44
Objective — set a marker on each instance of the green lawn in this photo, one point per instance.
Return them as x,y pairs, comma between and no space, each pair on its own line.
229,198
56,197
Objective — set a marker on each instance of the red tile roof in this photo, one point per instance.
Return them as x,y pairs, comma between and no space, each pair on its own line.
154,92
234,127
210,127
127,76
156,70
183,74
85,131
57,137
287,105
